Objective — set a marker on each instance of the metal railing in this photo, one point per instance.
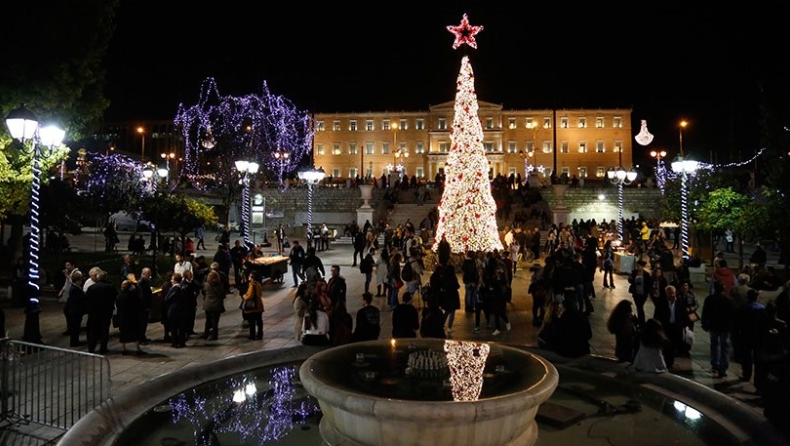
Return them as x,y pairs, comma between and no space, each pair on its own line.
49,386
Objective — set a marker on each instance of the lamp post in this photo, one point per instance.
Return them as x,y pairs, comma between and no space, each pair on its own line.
152,177
311,177
620,176
684,167
141,131
281,158
681,126
246,168
660,180
525,156
24,126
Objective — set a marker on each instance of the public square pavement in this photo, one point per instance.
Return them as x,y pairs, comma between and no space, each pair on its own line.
279,327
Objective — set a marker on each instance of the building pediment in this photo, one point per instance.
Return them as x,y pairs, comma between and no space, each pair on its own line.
449,106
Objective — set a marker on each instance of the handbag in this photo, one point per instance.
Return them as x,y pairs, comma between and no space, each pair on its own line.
688,336
248,305
398,284
693,316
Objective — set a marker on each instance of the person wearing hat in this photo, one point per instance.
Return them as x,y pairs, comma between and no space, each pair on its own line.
748,323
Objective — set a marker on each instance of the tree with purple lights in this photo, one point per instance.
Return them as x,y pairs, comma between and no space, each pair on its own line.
220,130
112,184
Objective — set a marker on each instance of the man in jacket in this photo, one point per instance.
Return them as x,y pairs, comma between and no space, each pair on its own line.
147,298
718,314
100,298
336,286
673,315
296,256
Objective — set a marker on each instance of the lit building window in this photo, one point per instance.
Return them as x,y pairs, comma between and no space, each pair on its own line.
511,123
352,126
385,148
563,123
335,126
335,173
420,172
600,147
529,123
530,146
442,124
600,172
489,146
352,172
582,123
420,148
511,147
352,148
582,147
368,148
618,146
369,125
546,146
385,124
564,147
403,124
582,172
566,171
546,123
599,123
420,124
319,126
336,149
617,122
444,147
320,149
489,123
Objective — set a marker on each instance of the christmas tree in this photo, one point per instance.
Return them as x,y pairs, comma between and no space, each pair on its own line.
467,211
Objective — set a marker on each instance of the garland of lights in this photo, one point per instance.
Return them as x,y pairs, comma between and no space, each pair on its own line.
620,204
464,33
467,210
670,174
684,215
35,230
245,211
247,127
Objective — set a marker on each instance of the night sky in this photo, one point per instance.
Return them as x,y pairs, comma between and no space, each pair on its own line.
666,60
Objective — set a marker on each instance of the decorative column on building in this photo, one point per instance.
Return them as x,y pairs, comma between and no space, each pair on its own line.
467,211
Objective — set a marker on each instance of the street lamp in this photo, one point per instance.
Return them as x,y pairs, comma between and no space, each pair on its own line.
684,167
281,158
246,168
24,126
141,131
620,177
682,125
152,177
525,156
659,155
167,157
311,177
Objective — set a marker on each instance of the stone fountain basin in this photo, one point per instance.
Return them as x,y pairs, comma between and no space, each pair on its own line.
353,416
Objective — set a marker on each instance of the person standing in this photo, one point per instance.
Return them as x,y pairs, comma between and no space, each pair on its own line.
607,265
718,315
366,267
471,280
254,315
130,309
336,286
382,272
177,310
622,324
296,256
405,319
279,234
147,300
640,285
200,235
360,240
74,309
673,315
368,321
237,255
749,321
432,324
192,290
394,280
301,303
182,264
444,291
213,304
100,298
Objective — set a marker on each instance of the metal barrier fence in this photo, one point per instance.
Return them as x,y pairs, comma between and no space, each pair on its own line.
49,386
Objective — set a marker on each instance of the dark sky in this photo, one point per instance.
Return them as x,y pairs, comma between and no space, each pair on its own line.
666,60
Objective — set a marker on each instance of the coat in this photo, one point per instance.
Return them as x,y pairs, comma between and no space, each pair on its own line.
130,314
254,292
213,297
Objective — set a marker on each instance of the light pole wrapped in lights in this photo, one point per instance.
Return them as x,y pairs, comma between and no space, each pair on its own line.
684,167
246,168
526,155
23,125
660,179
620,177
311,177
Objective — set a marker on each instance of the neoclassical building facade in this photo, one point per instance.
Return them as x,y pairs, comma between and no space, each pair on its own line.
580,142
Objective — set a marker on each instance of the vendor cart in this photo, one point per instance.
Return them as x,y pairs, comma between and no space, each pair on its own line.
271,268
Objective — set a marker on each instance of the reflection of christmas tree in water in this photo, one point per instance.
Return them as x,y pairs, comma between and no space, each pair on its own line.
467,212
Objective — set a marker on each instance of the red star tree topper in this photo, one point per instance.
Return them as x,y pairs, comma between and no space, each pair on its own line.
464,33
467,211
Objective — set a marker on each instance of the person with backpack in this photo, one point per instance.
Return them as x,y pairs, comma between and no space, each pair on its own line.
366,267
312,269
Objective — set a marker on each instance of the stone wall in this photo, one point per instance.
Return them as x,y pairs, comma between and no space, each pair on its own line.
337,206
602,203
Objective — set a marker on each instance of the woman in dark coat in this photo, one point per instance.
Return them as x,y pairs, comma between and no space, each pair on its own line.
176,301
74,309
130,311
444,290
622,324
213,304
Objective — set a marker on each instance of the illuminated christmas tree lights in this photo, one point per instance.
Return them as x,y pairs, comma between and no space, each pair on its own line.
467,211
